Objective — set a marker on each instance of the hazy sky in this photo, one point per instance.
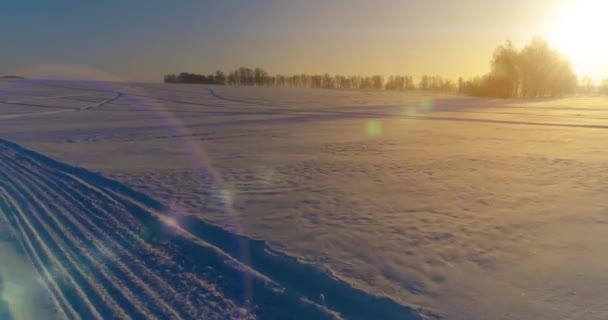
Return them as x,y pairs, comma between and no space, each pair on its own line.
142,40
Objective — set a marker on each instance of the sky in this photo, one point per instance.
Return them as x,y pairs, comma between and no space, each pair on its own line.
143,40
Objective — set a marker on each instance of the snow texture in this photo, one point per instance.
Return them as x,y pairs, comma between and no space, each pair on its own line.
211,201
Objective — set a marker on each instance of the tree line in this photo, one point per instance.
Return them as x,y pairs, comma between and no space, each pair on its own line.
536,71
12,77
244,76
588,87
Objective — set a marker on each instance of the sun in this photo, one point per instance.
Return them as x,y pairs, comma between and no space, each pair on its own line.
578,30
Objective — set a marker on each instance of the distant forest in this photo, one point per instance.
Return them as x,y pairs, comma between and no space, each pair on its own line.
10,76
536,71
259,77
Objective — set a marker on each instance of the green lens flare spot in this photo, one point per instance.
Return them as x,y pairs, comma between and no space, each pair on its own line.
145,233
426,104
373,128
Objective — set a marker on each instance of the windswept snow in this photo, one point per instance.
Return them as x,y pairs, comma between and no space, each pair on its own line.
105,251
395,205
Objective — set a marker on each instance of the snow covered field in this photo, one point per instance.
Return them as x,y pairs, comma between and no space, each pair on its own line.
452,207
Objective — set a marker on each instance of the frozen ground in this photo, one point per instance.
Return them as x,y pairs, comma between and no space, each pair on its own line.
459,208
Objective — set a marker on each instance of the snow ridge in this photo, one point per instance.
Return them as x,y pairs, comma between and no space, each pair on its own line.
105,252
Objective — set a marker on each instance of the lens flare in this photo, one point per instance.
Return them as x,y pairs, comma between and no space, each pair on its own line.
373,128
195,151
426,104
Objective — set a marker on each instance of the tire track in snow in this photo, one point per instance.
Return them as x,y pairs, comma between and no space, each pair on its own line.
116,96
120,244
46,98
35,186
92,302
67,291
105,252
74,232
59,109
76,245
37,260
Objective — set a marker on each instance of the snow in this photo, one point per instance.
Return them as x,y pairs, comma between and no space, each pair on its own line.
466,208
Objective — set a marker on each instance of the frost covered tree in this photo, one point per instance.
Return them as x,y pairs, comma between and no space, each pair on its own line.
536,71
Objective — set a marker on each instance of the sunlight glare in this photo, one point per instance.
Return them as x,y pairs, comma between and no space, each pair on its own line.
171,222
578,31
